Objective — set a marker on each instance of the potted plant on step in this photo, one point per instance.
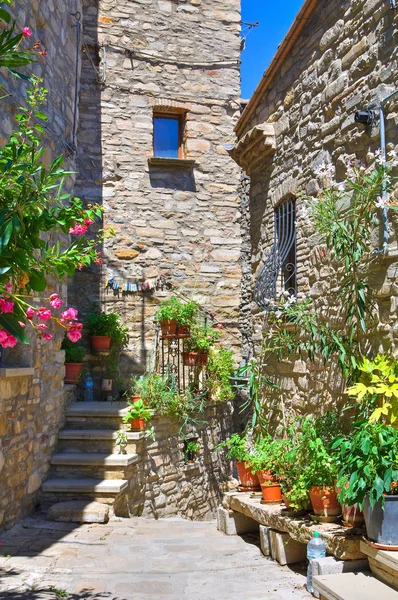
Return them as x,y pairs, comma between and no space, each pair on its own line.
237,451
105,328
196,348
74,356
137,415
368,476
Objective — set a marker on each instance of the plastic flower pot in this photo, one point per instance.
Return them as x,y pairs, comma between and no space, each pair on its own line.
324,501
72,372
246,477
137,424
272,493
382,524
100,343
169,328
194,359
183,331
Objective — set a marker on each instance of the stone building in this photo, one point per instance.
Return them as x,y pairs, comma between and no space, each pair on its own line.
338,57
159,97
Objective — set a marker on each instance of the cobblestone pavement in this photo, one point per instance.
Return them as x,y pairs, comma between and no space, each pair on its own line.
140,559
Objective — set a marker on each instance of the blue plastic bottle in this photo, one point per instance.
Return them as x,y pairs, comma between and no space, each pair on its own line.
315,549
88,389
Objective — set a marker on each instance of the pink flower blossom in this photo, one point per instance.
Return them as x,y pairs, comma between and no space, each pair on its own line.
55,301
26,32
3,336
70,314
10,342
47,336
44,314
8,287
30,313
78,229
220,326
21,324
88,221
99,260
74,335
42,326
6,306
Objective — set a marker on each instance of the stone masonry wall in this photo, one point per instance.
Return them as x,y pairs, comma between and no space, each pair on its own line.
343,61
179,222
164,485
32,406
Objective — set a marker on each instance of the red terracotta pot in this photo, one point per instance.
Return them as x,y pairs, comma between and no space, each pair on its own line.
264,476
324,501
272,493
169,328
183,331
247,479
137,424
134,399
99,343
194,359
72,372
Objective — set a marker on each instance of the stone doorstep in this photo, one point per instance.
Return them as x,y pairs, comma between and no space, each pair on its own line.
96,409
94,459
383,563
85,486
352,586
339,542
79,511
97,434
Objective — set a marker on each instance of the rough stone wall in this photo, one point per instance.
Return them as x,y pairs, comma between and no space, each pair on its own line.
343,61
31,407
164,485
175,222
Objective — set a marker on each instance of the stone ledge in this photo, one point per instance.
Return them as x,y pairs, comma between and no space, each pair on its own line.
16,371
340,542
352,586
179,163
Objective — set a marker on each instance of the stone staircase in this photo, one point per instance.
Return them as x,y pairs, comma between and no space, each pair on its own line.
380,582
87,464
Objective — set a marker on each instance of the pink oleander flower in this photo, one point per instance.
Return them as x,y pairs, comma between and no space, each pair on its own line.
44,314
88,221
41,326
8,287
30,313
220,326
78,229
55,301
10,342
74,335
98,260
26,32
21,324
3,336
70,314
47,336
6,306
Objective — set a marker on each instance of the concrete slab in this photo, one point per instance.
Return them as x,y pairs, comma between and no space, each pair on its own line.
352,586
84,486
79,511
94,459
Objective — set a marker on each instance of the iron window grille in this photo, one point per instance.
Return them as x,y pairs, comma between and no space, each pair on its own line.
279,272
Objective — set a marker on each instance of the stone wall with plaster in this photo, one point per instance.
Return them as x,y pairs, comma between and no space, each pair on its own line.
344,60
174,222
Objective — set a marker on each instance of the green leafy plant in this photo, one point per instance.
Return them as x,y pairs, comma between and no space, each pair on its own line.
73,352
191,449
121,438
220,369
202,338
316,453
178,310
11,56
107,324
378,388
236,445
368,460
137,410
111,366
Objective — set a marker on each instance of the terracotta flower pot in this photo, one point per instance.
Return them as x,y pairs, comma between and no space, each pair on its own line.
169,328
134,399
324,501
106,385
99,343
194,359
183,331
264,476
272,493
137,424
247,479
352,516
72,372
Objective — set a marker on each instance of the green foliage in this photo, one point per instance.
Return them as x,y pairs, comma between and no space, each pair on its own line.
137,410
111,366
368,460
378,388
11,57
220,369
314,451
108,324
236,445
121,438
178,310
268,455
191,449
73,352
202,338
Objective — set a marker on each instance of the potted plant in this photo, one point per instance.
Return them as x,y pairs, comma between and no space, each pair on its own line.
175,317
137,415
110,370
197,347
238,452
368,476
220,369
105,328
191,449
74,356
265,462
121,441
186,317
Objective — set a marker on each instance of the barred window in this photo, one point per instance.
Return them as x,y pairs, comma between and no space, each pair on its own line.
279,272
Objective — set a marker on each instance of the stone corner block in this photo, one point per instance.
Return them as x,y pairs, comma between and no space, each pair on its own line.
79,511
285,550
330,566
231,522
265,543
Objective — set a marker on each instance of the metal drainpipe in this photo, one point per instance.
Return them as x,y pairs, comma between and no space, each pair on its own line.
393,4
78,17
383,154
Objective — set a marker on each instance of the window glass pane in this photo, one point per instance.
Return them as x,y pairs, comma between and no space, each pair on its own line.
166,137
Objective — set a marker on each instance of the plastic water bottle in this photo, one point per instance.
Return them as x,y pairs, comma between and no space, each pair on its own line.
315,549
88,388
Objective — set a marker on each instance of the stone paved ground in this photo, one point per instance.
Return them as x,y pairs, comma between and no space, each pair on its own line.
140,559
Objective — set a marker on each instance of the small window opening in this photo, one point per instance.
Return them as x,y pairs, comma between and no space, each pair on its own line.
167,136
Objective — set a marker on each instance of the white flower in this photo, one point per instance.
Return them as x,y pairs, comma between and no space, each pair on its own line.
278,313
341,186
393,158
380,157
325,171
381,202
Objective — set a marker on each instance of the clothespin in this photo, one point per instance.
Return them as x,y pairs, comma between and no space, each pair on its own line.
116,285
110,282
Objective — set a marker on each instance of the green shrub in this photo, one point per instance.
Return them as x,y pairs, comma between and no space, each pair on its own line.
220,369
73,352
101,323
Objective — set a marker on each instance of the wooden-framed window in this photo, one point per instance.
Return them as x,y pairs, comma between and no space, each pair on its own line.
168,131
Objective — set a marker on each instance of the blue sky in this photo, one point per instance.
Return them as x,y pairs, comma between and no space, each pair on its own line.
275,19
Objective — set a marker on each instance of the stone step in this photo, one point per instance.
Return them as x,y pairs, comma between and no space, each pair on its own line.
352,586
96,440
85,486
93,459
96,415
383,563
